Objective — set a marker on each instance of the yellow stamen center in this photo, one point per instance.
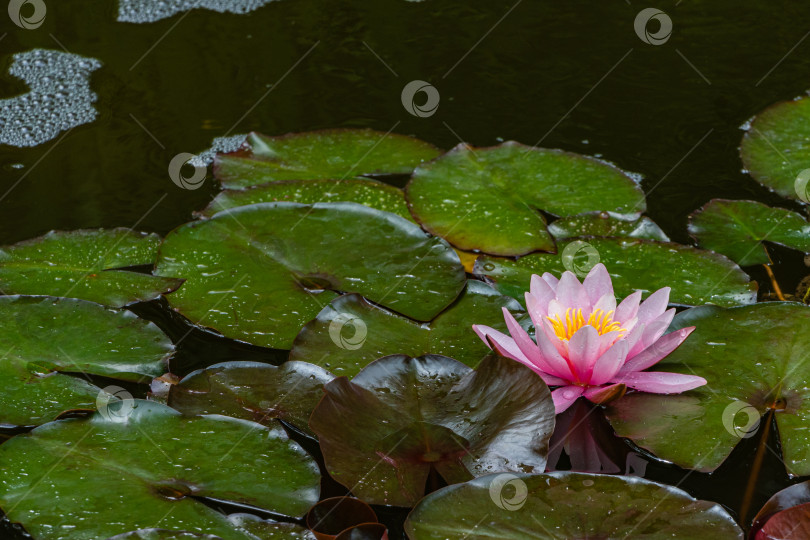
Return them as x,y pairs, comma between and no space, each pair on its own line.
574,320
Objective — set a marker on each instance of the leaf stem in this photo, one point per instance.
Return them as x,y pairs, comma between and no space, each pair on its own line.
776,288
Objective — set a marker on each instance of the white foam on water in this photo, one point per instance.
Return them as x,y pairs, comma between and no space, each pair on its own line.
218,145
146,11
60,97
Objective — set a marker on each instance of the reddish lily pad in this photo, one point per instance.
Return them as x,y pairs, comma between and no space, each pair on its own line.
350,332
401,417
695,276
566,505
258,273
606,224
785,515
252,391
362,191
776,148
738,229
85,264
488,199
328,154
754,358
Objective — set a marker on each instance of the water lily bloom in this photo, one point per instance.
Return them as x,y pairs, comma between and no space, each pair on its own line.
588,346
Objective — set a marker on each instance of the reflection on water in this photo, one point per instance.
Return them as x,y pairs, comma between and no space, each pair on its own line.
60,97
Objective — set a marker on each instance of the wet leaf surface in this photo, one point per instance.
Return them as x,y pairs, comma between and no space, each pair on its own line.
695,276
488,199
141,461
258,273
401,417
329,154
754,359
737,229
83,264
566,505
350,332
606,224
50,344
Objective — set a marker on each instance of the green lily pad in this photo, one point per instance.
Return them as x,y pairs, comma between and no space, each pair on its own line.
362,191
258,273
110,474
253,391
83,264
382,433
253,527
754,359
566,505
46,339
327,154
776,147
488,199
696,276
606,224
350,332
737,229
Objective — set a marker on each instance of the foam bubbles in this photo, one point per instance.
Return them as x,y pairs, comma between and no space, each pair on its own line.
218,145
146,11
60,97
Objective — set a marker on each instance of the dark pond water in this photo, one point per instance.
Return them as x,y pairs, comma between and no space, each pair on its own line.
571,75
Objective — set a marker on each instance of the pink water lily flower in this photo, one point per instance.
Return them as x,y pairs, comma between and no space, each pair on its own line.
586,345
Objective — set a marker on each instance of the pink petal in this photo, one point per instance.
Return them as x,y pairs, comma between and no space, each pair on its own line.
571,293
655,352
597,283
551,280
628,308
659,382
564,397
654,306
609,363
504,345
653,330
526,345
606,303
540,288
583,351
550,350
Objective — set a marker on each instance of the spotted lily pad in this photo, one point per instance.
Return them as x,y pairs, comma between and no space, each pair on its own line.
488,199
329,154
696,276
606,224
776,148
50,344
258,273
350,332
362,191
566,505
253,391
754,359
85,264
146,466
383,432
737,229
